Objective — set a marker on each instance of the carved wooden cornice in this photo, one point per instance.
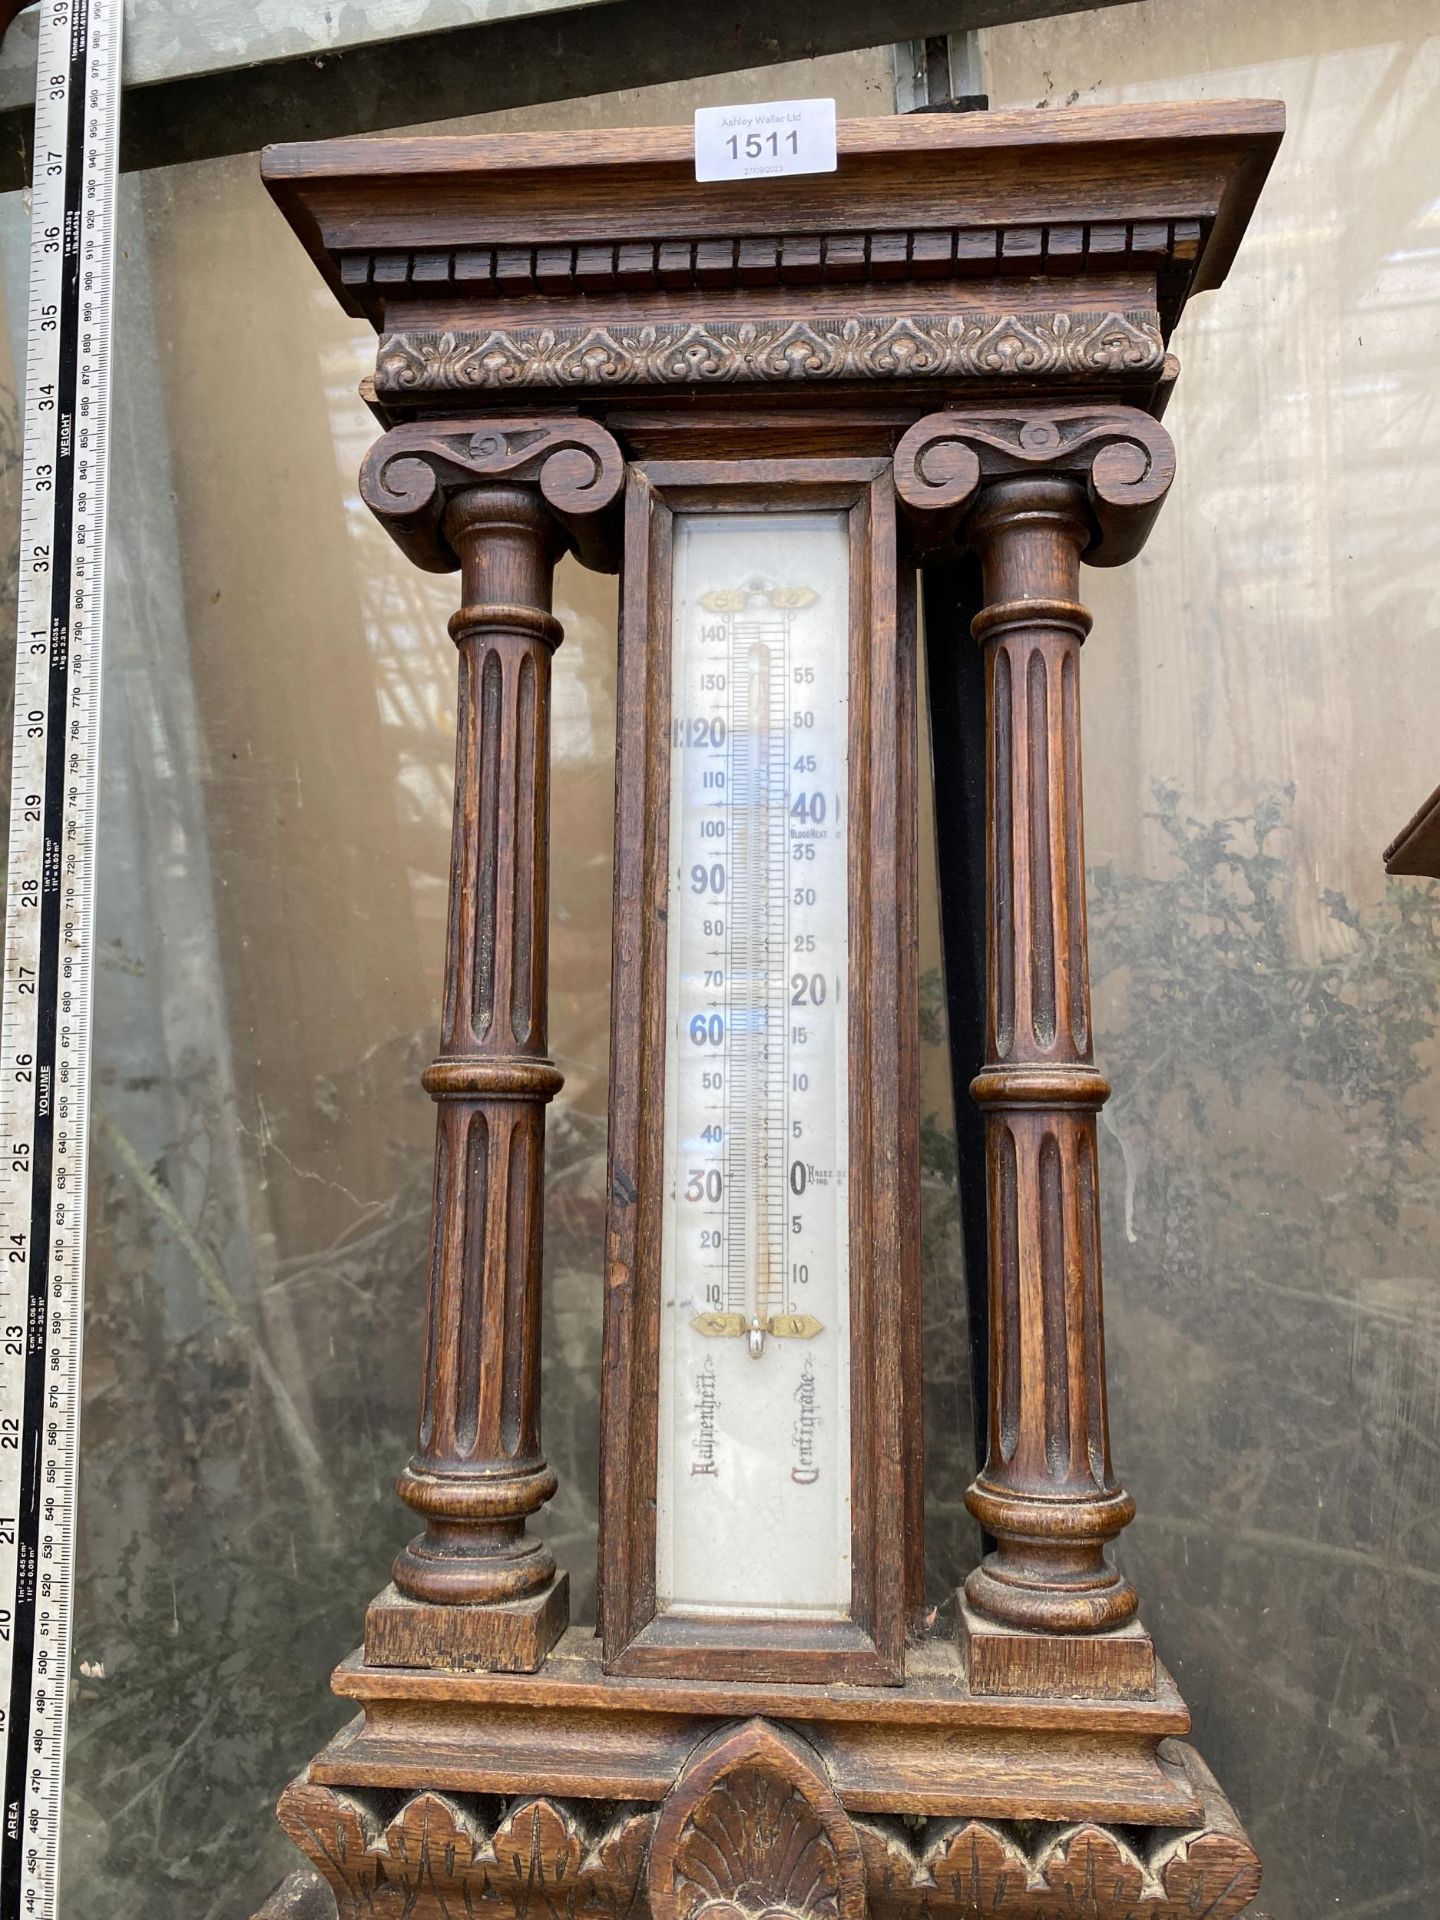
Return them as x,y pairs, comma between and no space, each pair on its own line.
409,477
1059,247
1168,249
1062,346
1125,460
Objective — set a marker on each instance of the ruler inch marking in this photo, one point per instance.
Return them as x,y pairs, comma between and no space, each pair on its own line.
44,1035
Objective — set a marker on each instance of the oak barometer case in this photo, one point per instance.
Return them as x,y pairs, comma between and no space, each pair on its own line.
767,404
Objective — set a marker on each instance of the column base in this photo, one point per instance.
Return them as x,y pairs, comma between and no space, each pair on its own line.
512,1636
1009,1662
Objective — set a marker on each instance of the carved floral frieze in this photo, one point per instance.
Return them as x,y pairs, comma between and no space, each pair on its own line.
790,349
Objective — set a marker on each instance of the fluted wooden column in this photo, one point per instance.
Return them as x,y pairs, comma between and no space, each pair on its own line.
1029,492
475,1588
1047,1491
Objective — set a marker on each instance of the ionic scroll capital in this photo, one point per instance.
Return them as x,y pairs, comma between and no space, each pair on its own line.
1122,457
409,477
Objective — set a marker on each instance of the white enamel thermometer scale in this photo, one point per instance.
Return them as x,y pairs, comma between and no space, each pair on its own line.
754,1494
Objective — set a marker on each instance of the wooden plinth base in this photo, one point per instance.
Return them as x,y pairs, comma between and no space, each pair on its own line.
613,1798
445,1855
1005,1662
513,1638
928,1747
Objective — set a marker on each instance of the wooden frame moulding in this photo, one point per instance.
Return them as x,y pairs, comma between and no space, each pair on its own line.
638,1638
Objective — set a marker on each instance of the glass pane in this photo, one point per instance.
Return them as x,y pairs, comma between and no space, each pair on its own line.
1261,692
277,763
754,1475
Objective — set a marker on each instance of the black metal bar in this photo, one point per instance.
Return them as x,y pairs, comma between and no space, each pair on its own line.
419,78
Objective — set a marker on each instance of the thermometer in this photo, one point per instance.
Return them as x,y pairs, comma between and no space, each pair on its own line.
753,1507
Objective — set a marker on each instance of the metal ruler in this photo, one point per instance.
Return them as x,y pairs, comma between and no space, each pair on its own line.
49,940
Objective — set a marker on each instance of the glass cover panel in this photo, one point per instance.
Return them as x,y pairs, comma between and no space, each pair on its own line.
278,764
754,1494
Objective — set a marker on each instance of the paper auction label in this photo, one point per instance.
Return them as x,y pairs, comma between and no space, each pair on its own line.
774,137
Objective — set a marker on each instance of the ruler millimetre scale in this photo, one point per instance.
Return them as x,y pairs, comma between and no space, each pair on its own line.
45,1032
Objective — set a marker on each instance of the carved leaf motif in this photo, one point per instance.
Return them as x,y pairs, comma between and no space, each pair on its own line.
753,1828
981,1870
753,1831
890,1867
536,1846
435,1860
430,1844
615,1873
758,1845
1208,1876
1094,1872
973,1862
333,1831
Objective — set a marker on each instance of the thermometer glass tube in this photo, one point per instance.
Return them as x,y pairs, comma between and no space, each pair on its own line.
753,1501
